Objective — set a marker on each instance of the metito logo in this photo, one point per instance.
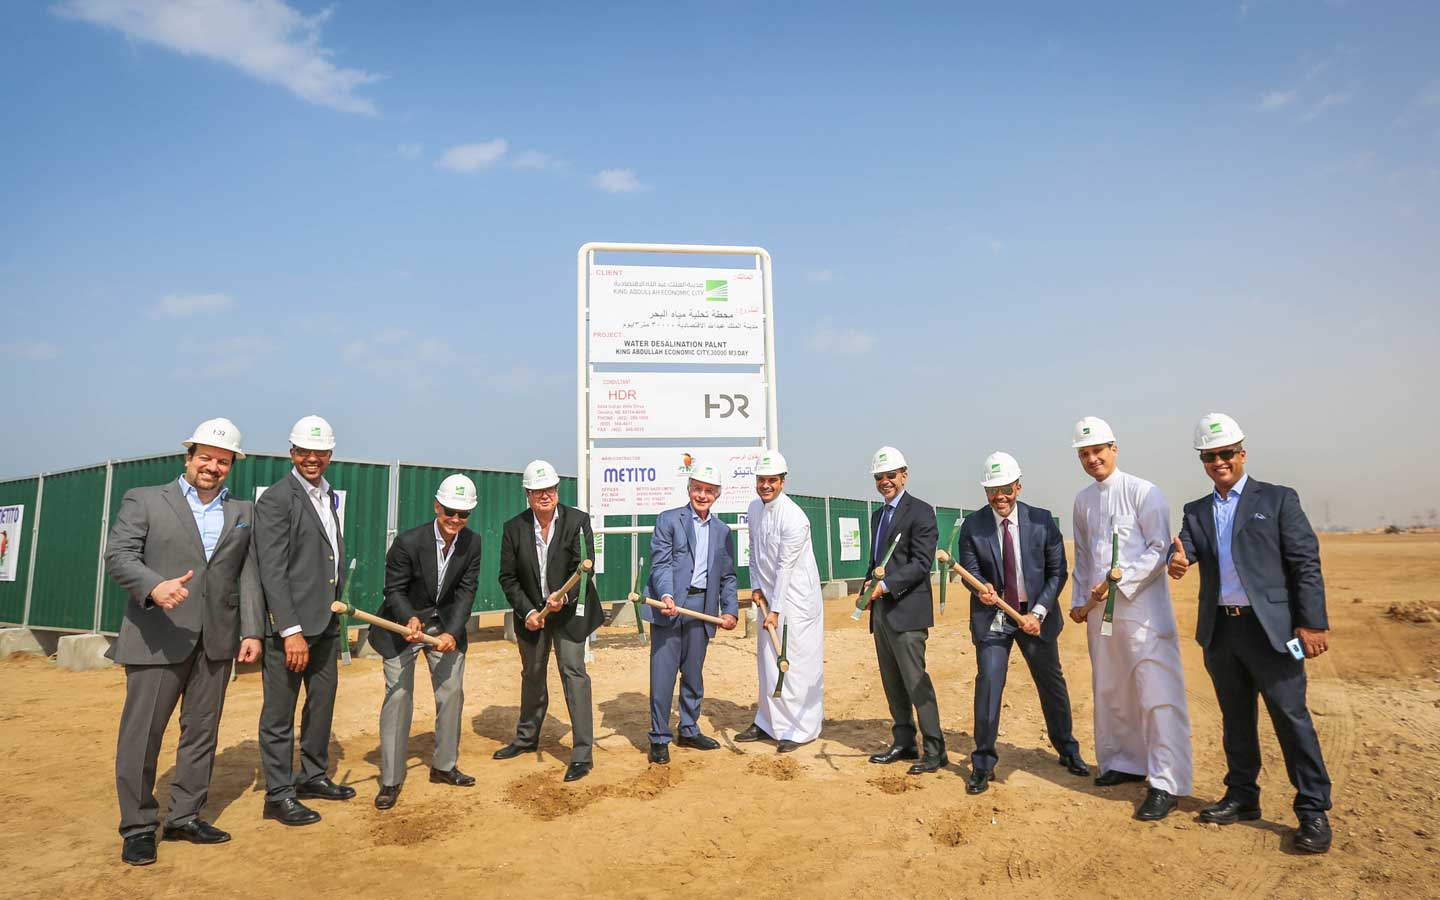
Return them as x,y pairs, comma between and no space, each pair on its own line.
631,474
717,290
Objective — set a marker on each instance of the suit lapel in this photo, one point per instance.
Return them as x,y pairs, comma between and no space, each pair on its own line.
554,558
230,505
1207,519
1245,509
181,506
309,506
429,565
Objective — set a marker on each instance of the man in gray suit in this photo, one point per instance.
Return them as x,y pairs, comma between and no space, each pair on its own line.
300,548
183,553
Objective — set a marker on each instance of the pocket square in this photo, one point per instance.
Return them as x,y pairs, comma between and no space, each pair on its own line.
239,525
1259,515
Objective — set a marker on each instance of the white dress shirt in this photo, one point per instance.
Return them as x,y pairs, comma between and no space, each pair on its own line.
1014,520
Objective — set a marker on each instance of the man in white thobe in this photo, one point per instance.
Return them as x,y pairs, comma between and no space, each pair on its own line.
784,574
1142,726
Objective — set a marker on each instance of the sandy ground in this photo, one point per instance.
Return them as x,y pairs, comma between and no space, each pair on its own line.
742,820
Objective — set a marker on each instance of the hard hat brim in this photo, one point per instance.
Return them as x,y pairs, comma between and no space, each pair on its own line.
542,484
239,454
456,503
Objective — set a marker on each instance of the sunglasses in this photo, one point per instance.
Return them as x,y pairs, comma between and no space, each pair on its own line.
1209,456
461,514
887,476
1002,491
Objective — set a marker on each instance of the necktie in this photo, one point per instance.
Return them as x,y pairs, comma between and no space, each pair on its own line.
1012,583
883,531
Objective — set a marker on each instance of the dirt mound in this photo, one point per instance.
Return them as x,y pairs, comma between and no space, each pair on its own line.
1420,611
550,798
406,829
781,769
895,784
949,829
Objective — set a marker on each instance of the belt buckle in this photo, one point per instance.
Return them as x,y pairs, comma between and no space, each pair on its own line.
1233,611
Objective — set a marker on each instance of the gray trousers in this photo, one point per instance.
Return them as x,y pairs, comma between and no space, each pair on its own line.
901,655
447,680
535,692
151,693
277,714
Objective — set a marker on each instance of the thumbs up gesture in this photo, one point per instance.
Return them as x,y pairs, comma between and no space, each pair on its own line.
1179,565
170,594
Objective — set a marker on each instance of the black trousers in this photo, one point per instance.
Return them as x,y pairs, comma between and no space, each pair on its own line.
1243,666
277,713
992,664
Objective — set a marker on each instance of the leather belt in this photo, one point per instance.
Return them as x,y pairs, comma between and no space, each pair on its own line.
692,591
1235,611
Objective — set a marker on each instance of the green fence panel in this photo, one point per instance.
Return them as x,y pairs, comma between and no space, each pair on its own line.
155,470
814,508
945,518
615,582
16,548
843,508
67,554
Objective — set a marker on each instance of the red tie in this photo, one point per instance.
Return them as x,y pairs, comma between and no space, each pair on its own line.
1012,581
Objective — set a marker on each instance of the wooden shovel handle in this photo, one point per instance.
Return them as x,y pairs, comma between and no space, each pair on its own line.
569,585
378,622
975,584
704,617
765,614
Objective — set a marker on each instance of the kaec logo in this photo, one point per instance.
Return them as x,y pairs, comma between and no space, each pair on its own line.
717,291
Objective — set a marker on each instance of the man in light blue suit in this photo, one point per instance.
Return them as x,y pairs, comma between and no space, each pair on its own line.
693,568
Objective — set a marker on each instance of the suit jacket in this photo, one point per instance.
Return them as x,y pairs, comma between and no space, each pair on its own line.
672,566
154,539
411,571
907,606
297,563
1276,555
520,572
1042,554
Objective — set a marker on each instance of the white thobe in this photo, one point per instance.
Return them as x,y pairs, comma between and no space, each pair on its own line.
1142,724
782,564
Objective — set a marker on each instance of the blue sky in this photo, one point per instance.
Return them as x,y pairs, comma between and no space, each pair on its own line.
986,222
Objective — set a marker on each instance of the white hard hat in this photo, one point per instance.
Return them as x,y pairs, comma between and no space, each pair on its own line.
457,492
220,433
706,472
539,474
312,433
771,463
1092,430
886,459
1000,469
1217,430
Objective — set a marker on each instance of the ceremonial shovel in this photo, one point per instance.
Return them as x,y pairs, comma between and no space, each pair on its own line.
704,617
345,626
1106,621
346,609
781,662
581,570
975,583
635,598
945,576
879,573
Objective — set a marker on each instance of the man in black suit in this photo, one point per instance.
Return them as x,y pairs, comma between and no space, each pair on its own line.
539,550
901,613
1262,613
431,572
300,546
1019,548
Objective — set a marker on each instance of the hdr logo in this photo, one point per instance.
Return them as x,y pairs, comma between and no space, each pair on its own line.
733,403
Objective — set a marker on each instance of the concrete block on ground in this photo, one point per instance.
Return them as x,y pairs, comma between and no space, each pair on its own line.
18,640
835,590
360,647
83,652
622,613
510,626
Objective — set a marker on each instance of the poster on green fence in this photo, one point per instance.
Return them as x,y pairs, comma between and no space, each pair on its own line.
849,539
10,519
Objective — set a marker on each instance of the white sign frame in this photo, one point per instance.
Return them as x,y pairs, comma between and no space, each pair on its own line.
584,442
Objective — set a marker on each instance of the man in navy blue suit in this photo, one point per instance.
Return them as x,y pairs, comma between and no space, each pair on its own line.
1020,548
693,567
1260,590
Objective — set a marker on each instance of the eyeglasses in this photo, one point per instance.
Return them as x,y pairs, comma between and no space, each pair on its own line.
888,476
1209,456
306,454
1005,490
461,514
540,492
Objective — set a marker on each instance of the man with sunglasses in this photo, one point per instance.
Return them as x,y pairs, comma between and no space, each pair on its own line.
1260,590
431,572
539,549
301,548
1018,547
1142,721
902,612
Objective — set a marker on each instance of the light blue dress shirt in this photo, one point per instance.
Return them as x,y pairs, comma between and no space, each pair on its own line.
701,530
1232,592
209,517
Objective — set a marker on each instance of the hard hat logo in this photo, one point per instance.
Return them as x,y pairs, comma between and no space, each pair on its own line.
994,467
1085,430
315,431
1214,427
460,490
884,458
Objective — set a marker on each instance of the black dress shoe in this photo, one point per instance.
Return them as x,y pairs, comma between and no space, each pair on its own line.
1158,804
894,754
454,778
753,733
787,747
139,849
1313,835
389,794
660,753
513,749
323,788
290,812
1115,776
196,832
576,771
1229,811
697,741
930,764
1075,765
979,781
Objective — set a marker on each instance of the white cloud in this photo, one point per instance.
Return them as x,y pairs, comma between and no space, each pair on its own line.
534,159
468,159
618,181
409,151
397,354
1329,101
266,39
237,355
829,339
183,306
31,350
820,276
1278,99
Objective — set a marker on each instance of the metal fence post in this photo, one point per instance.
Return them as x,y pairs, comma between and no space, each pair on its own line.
34,539
104,533
392,506
829,547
